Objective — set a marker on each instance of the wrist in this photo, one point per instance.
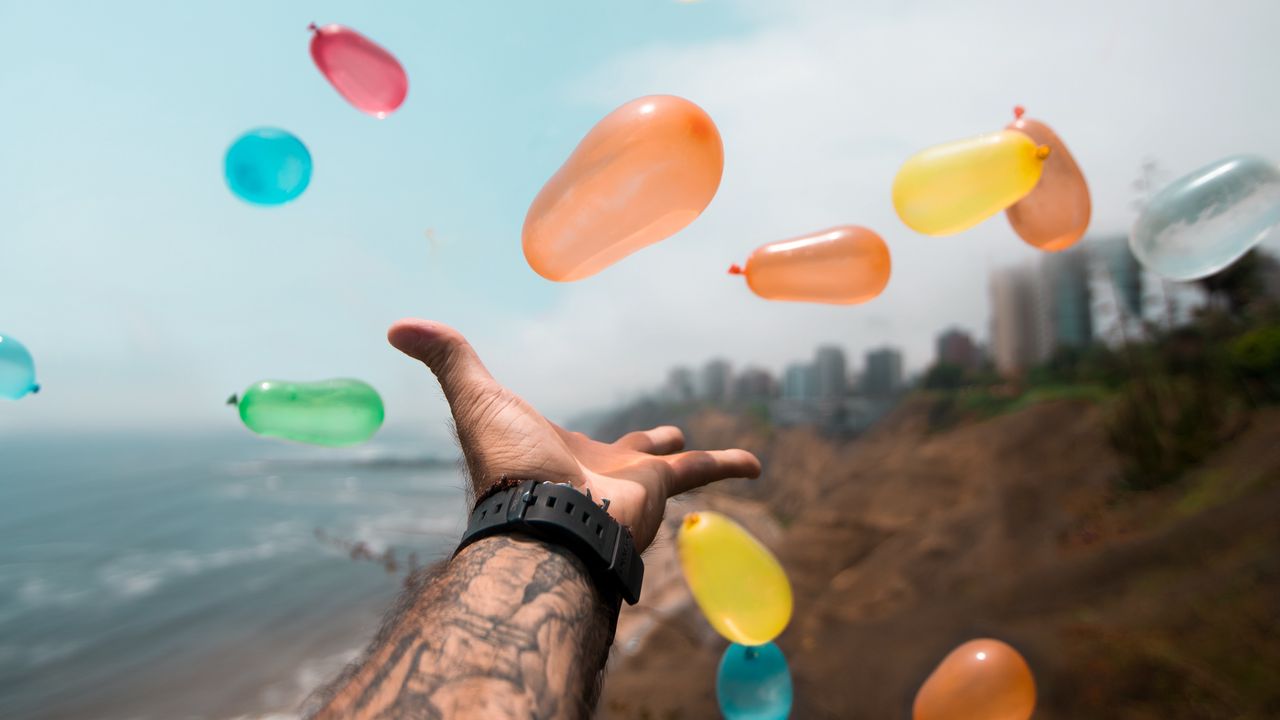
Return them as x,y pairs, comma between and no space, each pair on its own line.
561,515
504,556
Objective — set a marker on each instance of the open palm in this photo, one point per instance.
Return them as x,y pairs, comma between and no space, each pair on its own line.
503,436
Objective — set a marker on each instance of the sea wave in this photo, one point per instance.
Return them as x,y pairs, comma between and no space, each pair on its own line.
140,574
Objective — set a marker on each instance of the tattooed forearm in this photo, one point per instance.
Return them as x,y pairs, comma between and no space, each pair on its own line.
510,628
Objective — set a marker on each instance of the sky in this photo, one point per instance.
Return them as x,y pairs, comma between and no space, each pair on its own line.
148,293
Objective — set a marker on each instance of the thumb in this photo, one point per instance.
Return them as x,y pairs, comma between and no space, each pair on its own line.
443,349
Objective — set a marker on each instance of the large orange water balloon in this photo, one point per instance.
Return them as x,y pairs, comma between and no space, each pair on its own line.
980,680
643,172
842,265
1055,215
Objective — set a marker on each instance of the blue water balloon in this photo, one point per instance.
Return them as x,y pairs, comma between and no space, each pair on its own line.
17,370
754,683
268,166
1205,221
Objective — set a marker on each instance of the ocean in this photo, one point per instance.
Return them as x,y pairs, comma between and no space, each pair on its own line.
215,577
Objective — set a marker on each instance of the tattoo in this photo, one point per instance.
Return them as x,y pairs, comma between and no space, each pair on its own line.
510,628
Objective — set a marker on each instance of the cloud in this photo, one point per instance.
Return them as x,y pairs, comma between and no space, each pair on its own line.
820,106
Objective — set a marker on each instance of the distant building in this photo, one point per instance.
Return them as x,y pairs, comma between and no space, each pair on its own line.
956,347
1016,321
1123,273
715,382
679,387
799,382
883,375
754,385
1068,303
829,370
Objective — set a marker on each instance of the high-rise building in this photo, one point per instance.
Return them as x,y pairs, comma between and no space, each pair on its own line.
716,379
754,385
1123,273
829,373
956,347
799,382
883,375
1016,321
1068,301
1033,314
679,387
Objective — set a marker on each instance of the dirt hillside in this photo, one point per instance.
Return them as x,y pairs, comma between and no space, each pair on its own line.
906,542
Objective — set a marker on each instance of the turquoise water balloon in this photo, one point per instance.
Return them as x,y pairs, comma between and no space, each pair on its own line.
1205,221
268,166
754,683
17,369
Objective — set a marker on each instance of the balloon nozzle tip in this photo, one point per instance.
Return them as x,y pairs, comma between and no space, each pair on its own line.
1042,152
691,519
234,399
736,269
313,27
35,389
1018,112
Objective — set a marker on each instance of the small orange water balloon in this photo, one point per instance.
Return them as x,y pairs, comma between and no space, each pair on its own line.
643,173
980,680
843,265
1055,215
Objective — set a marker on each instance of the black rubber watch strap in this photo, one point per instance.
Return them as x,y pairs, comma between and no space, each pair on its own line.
560,514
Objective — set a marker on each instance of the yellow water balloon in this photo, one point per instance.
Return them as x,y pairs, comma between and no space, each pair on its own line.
739,585
952,187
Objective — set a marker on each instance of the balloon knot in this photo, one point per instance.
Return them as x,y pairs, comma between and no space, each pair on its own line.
312,27
1042,152
691,519
736,269
1018,112
751,653
233,400
35,389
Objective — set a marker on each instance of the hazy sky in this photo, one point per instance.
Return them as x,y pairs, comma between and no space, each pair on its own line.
148,293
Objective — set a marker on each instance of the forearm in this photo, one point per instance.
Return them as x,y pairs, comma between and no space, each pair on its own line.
510,628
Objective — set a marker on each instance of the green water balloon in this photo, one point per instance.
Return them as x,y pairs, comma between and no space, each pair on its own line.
334,413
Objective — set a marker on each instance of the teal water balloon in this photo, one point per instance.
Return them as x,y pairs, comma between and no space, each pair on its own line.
17,369
754,683
1205,221
268,166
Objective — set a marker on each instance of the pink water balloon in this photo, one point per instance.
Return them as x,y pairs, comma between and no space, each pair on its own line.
360,70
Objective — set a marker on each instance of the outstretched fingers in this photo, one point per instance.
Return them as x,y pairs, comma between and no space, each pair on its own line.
662,440
698,467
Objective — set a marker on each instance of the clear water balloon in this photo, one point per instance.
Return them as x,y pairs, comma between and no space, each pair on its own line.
1205,221
268,166
982,679
644,172
369,77
17,369
335,412
754,683
952,187
843,265
738,584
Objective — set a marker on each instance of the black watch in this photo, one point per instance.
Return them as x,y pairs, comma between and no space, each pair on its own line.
559,514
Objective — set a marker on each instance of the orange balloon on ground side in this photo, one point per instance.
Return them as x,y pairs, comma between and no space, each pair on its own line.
1055,215
842,265
980,680
643,172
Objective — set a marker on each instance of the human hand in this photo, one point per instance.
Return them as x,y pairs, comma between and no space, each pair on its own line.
502,435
